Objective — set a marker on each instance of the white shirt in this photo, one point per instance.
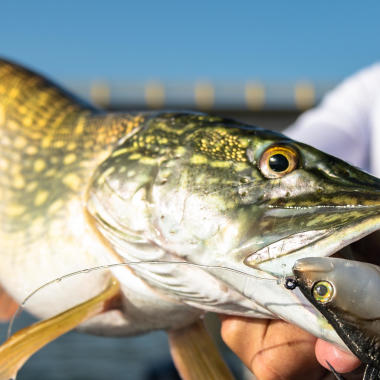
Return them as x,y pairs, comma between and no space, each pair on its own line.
347,122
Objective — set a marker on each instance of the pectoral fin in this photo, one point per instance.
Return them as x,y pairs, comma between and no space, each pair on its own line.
24,343
195,354
8,306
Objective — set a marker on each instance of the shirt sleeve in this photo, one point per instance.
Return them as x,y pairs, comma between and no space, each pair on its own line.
341,124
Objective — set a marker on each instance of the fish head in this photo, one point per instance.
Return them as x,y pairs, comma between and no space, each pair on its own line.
215,192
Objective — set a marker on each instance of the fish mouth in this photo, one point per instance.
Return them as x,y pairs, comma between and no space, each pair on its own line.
356,240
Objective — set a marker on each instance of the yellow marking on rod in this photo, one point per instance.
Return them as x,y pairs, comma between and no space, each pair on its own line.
15,210
198,159
41,197
69,159
72,181
39,165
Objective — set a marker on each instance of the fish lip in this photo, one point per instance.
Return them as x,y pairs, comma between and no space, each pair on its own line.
327,245
287,245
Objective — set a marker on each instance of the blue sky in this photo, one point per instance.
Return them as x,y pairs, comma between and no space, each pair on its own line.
191,40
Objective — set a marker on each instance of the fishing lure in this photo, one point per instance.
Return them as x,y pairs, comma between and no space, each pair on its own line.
346,293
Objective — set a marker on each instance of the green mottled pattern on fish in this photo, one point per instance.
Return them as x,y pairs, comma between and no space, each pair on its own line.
49,142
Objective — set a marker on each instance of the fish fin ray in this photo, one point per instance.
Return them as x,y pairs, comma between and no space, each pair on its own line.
24,343
188,346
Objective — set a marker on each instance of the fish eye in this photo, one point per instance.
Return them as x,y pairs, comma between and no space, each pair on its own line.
323,291
278,160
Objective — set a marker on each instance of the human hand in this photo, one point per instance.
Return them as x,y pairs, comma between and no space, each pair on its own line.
275,349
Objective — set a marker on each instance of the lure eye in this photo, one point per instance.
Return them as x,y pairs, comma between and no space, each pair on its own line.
277,161
323,291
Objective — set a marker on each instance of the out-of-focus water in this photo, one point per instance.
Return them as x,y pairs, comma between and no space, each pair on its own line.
77,356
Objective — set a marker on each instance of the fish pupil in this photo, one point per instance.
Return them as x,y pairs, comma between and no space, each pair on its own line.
321,290
278,163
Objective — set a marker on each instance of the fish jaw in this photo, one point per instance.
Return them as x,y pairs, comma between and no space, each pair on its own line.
321,243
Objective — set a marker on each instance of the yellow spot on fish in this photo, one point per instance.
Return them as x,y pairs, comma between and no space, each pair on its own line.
31,150
148,161
180,151
31,186
13,92
198,159
39,165
135,156
41,197
2,115
72,181
46,142
50,172
240,166
71,146
27,121
41,122
55,206
80,127
69,159
23,110
109,171
120,152
4,164
19,182
20,142
221,164
59,144
15,210
12,125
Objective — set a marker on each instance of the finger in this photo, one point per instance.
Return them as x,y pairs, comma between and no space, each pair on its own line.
342,361
272,349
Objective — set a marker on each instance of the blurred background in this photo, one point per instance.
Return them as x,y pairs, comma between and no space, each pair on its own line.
259,62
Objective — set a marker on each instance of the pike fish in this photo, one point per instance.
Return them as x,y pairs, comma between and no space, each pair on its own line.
81,188
346,292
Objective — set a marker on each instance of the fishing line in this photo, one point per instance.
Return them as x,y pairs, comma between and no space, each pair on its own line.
128,263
